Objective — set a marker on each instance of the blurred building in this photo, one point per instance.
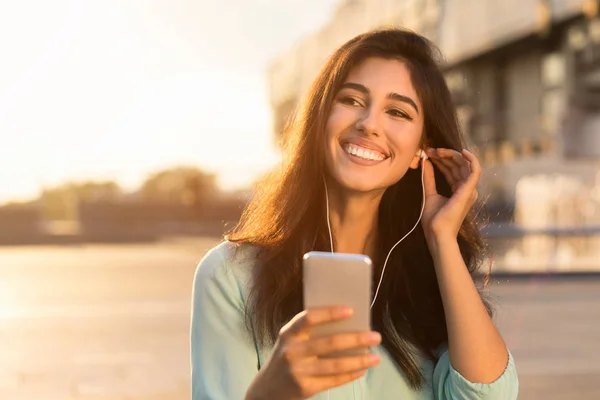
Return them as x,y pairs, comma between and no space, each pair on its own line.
137,219
20,223
525,77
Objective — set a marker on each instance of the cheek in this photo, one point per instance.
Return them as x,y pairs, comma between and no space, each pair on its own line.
404,142
332,131
340,118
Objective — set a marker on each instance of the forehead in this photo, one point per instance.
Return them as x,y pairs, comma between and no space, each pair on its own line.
382,76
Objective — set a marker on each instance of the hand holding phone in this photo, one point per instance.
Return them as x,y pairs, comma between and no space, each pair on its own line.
299,368
327,344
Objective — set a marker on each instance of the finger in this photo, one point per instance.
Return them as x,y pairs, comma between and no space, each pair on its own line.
449,167
445,171
462,166
453,155
455,161
338,365
306,319
333,343
465,170
475,167
429,178
469,186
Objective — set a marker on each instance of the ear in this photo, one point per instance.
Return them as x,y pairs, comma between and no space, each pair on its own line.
414,164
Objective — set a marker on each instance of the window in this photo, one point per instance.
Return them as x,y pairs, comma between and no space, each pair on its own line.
553,70
553,75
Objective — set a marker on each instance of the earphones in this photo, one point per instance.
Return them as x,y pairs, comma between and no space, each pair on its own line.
422,157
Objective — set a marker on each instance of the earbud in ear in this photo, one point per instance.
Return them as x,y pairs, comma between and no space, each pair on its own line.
422,154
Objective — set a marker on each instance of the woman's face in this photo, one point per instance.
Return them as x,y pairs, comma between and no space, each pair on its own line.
374,127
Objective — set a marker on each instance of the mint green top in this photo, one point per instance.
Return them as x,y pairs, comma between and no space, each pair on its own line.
225,357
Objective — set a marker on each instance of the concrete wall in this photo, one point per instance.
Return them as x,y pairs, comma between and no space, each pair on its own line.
523,93
472,27
462,29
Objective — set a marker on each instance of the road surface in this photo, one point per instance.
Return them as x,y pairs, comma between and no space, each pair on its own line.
111,322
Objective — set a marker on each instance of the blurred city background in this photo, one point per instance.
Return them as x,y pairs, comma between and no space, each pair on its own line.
132,132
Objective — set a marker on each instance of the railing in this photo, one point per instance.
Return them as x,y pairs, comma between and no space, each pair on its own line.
552,249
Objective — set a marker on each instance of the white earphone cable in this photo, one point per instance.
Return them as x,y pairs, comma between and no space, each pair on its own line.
329,230
328,220
405,236
423,158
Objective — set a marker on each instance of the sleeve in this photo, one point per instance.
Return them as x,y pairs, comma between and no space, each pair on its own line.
223,355
449,384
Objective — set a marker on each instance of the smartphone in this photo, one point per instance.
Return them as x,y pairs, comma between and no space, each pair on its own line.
337,279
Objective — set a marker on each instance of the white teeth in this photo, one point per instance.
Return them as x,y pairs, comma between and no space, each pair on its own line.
363,153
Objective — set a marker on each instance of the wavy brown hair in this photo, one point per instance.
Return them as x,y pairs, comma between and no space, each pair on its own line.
287,217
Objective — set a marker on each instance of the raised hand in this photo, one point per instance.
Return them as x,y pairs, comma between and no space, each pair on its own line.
444,216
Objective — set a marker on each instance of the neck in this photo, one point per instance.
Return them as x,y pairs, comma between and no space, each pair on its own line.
353,218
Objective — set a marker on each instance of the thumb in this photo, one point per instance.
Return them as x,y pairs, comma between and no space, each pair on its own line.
429,178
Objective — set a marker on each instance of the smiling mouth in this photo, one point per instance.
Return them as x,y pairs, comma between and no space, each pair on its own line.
363,152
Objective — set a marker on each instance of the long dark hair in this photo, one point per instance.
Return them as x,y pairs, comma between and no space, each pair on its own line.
287,218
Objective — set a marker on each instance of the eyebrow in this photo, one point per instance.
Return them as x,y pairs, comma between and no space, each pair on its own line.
394,96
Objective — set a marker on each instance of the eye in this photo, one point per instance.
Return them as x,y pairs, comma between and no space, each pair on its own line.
350,101
399,114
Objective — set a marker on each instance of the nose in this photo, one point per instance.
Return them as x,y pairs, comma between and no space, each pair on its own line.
368,123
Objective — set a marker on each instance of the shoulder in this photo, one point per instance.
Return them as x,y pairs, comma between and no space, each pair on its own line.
227,263
227,257
450,384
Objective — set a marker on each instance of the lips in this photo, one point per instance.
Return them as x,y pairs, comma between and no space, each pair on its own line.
365,144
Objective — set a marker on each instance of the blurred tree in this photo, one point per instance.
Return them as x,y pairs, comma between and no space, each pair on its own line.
62,202
185,186
188,186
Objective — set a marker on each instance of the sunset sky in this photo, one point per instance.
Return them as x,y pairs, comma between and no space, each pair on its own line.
116,89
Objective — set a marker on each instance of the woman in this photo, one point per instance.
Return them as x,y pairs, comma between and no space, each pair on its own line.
378,101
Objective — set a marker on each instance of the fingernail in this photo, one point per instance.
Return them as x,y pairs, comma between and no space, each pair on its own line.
373,358
345,312
374,336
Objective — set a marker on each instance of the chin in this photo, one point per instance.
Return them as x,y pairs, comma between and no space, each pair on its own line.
360,182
